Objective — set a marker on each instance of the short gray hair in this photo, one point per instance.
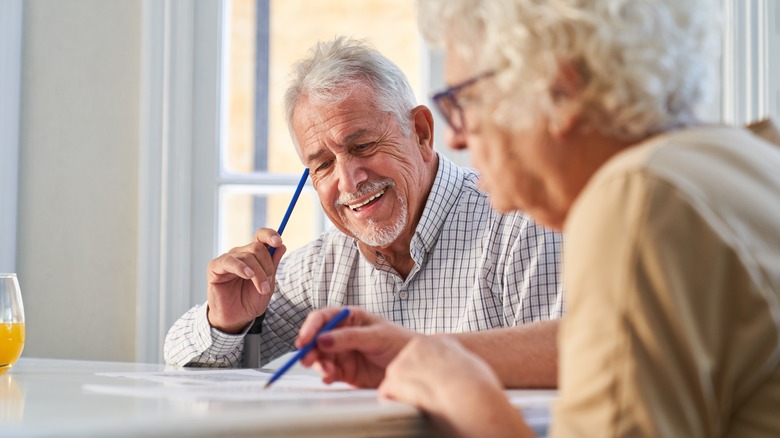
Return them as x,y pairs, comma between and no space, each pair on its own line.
333,69
647,65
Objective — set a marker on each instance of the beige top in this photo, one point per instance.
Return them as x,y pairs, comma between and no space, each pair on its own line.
672,270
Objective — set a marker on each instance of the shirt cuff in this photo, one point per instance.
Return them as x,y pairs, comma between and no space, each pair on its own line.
221,343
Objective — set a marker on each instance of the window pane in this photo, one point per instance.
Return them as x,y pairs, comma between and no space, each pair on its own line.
245,208
266,38
237,153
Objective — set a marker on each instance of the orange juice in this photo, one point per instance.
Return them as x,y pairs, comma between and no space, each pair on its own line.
11,344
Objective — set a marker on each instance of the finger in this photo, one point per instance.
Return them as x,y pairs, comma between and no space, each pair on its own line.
315,321
269,237
323,366
278,254
260,278
257,258
387,389
318,367
260,252
227,267
364,339
396,386
329,369
310,358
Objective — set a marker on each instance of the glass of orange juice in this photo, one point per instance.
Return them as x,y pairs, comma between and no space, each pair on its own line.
11,321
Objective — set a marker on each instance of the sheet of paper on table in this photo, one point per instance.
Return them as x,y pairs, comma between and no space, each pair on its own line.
247,385
226,385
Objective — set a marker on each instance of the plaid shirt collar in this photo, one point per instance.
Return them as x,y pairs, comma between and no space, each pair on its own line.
443,196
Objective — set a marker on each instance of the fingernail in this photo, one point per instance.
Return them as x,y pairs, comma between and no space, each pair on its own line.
276,240
248,272
325,341
265,287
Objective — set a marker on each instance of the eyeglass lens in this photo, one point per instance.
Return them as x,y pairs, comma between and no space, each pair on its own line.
451,111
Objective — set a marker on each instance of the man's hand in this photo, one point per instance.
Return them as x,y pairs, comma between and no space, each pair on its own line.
357,351
240,282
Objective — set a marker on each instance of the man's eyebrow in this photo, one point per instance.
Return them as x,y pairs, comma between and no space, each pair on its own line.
314,155
351,138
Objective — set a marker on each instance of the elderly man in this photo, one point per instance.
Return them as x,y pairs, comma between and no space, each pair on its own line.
581,113
415,240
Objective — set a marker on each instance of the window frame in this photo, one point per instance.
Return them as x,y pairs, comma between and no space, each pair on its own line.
179,129
11,19
747,91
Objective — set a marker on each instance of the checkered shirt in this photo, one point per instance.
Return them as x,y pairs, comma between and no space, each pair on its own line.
474,269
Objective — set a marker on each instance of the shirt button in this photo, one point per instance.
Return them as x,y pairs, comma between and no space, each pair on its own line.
404,295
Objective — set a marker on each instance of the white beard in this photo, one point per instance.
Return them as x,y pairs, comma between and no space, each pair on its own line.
376,236
372,234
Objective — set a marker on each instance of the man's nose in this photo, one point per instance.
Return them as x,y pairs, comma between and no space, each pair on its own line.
351,174
455,140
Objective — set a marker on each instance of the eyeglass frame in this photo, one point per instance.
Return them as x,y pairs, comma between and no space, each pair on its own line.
448,97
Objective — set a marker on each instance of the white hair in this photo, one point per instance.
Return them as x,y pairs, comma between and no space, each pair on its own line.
647,65
335,68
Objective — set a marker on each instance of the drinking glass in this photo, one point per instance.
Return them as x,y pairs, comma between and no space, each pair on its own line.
11,322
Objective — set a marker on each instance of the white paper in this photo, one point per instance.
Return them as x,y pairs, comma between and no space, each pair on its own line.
225,385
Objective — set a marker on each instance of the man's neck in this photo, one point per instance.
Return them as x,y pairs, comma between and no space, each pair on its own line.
397,255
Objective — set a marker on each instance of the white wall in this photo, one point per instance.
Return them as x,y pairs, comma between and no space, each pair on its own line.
78,177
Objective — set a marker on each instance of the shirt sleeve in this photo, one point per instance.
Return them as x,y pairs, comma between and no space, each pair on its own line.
191,341
293,298
532,284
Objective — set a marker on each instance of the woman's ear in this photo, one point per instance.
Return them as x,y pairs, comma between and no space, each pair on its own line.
423,130
565,93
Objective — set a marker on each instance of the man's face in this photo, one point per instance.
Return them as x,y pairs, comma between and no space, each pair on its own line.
518,168
369,176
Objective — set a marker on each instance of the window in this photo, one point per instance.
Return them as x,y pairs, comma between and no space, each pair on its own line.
259,167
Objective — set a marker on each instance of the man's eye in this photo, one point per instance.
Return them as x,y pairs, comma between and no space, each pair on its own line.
364,146
324,165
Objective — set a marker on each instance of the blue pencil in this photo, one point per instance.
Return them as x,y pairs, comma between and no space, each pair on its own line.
306,348
290,207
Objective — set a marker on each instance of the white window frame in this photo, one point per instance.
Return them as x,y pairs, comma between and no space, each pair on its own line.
750,76
10,88
177,163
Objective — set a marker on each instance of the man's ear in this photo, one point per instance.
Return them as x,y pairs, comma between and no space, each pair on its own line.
565,93
423,130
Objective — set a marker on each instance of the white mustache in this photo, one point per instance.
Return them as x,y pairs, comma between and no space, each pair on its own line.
364,190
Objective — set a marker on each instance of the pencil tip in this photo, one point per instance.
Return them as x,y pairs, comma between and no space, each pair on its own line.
267,384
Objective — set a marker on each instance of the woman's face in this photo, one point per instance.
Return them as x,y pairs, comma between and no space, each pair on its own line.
520,169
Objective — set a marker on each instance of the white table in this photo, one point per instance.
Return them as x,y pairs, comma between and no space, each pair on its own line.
45,397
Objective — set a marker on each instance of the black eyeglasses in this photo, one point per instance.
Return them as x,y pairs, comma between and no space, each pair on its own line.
447,102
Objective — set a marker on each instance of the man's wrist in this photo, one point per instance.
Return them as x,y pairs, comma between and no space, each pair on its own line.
230,330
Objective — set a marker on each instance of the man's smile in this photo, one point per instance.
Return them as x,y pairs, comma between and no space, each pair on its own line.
358,205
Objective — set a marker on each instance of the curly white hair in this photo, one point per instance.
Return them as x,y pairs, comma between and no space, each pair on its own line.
647,65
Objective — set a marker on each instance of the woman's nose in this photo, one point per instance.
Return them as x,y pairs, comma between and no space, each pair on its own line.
455,140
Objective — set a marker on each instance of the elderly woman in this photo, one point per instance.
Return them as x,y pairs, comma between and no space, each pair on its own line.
582,113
